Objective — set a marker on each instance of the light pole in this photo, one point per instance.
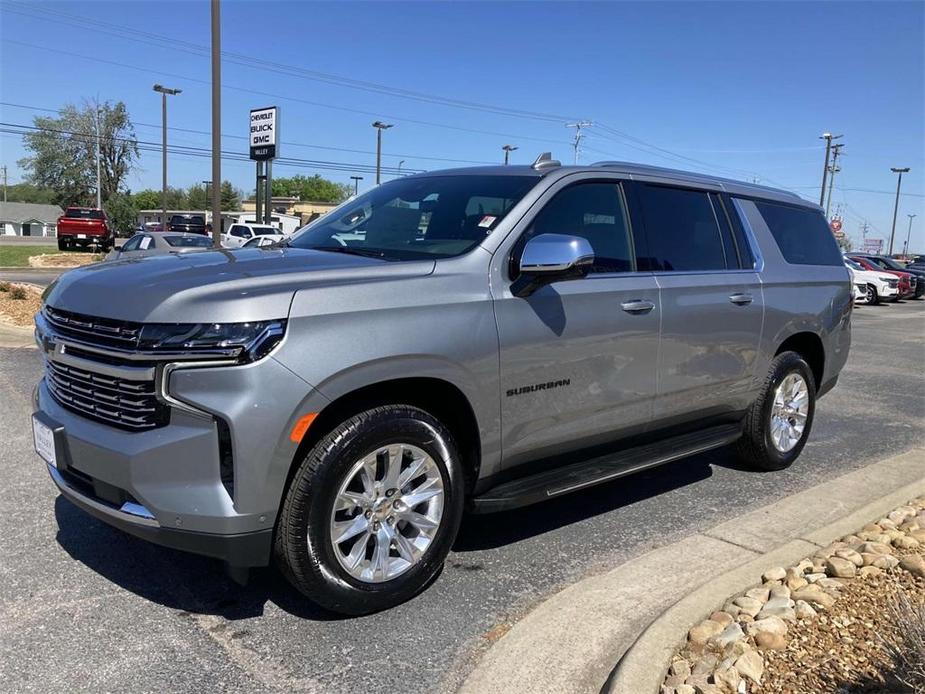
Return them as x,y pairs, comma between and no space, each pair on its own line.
899,182
356,184
908,234
164,91
399,166
828,137
216,32
99,197
207,184
379,126
507,152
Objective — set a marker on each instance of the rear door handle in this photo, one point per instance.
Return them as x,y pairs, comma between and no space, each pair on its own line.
637,306
741,299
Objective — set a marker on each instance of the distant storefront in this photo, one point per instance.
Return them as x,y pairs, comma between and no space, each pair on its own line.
28,219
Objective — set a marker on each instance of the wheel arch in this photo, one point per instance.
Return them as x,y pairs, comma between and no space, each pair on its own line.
811,348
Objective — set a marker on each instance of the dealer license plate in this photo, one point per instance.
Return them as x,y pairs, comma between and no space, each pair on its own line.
44,439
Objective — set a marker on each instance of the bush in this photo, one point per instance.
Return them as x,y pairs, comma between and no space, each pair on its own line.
5,286
18,293
906,646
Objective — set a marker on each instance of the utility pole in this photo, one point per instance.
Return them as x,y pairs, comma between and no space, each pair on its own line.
899,182
507,152
4,182
216,11
164,92
578,135
356,184
99,198
828,137
833,169
379,126
908,234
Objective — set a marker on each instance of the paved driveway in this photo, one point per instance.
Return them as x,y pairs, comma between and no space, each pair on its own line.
83,606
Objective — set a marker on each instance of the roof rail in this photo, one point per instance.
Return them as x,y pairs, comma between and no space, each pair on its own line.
545,161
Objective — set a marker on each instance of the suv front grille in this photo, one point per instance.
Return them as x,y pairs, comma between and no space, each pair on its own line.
119,402
103,332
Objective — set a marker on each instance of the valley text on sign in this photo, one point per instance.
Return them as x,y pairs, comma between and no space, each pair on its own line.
264,125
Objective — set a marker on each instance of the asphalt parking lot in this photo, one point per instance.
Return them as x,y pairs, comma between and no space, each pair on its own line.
83,606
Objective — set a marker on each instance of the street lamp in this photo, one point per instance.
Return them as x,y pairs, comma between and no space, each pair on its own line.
356,184
899,182
828,137
507,152
379,126
399,166
908,234
164,91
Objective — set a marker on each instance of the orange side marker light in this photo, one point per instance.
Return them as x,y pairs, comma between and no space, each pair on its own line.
298,431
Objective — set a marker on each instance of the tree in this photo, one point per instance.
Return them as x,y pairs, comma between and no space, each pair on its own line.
196,198
122,213
844,242
147,199
26,192
231,197
63,152
314,188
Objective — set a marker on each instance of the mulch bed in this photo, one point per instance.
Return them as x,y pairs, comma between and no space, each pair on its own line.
19,312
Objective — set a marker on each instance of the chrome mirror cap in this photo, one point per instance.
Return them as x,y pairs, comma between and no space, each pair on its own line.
555,253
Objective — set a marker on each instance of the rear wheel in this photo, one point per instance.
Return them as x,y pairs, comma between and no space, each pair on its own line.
372,511
63,244
872,297
779,421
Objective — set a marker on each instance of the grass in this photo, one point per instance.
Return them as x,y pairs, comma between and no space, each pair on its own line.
18,256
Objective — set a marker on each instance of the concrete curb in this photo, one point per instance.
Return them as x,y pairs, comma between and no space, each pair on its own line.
644,666
570,642
16,337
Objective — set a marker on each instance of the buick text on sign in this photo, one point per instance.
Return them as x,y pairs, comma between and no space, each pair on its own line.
264,125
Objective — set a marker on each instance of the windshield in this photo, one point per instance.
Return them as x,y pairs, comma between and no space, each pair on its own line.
183,219
189,241
889,263
417,218
77,213
853,265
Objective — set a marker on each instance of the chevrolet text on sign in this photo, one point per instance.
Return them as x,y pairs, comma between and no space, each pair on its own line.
264,124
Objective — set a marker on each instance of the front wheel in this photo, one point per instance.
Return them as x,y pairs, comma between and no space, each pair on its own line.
872,297
372,511
779,421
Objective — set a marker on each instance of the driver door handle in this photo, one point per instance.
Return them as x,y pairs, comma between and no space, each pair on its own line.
637,306
741,299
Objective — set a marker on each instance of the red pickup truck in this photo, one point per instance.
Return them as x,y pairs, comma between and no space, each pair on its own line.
83,227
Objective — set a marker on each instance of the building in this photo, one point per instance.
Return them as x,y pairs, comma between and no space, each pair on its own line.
305,210
28,219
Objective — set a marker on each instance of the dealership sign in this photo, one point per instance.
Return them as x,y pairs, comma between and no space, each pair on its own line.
872,246
264,126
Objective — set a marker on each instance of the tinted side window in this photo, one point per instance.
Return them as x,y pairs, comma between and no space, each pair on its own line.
681,230
802,234
594,211
132,243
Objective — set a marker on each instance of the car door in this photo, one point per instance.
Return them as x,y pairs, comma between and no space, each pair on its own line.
577,357
712,307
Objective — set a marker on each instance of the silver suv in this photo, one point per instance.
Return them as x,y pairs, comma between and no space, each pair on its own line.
469,339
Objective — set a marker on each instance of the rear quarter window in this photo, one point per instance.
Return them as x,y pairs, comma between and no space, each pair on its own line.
801,234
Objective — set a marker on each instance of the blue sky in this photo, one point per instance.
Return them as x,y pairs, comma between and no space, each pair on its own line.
736,89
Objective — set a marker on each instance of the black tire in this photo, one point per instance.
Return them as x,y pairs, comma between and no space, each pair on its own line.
303,546
872,297
756,448
62,244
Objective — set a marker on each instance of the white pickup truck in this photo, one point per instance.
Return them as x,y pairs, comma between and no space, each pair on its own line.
239,234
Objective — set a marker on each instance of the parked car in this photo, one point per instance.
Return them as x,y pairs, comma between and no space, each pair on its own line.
239,234
84,227
159,243
874,286
264,241
187,224
916,279
477,338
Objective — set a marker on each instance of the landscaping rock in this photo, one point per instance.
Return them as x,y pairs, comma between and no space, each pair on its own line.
708,689
730,634
703,667
905,542
727,678
885,561
703,632
770,642
851,556
841,568
914,564
723,618
749,606
775,574
815,596
803,610
680,668
778,607
815,576
874,548
751,666
780,592
759,594
773,625
866,571
685,689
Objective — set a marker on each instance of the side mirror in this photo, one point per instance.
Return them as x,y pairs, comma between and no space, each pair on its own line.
117,248
552,257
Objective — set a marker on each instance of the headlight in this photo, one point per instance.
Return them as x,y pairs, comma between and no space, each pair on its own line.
246,342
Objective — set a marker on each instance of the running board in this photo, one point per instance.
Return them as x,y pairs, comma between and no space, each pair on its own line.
587,473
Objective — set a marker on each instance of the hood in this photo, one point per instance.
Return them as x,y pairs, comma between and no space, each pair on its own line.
219,286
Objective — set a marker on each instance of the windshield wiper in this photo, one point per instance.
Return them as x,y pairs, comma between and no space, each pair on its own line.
365,252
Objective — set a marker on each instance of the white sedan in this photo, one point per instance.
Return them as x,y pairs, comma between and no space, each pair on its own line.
875,285
239,234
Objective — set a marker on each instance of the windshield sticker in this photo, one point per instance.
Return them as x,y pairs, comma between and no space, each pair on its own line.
487,221
145,242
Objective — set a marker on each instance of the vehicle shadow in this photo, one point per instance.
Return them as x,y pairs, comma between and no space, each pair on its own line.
198,585
174,579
